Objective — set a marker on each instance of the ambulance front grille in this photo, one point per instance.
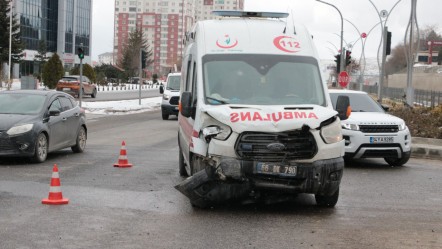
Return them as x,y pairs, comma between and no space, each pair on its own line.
297,145
174,100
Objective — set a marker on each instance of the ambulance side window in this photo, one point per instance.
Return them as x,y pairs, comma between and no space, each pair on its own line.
194,90
188,85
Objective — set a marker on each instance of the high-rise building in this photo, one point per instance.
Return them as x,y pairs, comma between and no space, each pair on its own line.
63,25
164,24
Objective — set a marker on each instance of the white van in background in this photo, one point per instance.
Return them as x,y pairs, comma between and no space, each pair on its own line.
256,121
171,95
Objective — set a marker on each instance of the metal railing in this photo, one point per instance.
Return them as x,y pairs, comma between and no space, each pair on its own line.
421,97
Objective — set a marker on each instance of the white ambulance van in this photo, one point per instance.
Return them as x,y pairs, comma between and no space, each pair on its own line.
256,121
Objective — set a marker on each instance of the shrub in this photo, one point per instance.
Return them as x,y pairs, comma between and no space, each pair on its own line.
421,121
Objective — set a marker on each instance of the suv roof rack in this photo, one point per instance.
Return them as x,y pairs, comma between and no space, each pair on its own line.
239,13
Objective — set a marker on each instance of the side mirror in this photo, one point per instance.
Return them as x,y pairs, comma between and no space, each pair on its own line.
54,113
385,107
343,107
186,104
161,89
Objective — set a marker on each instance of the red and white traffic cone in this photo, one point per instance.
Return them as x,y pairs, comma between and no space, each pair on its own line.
122,159
55,196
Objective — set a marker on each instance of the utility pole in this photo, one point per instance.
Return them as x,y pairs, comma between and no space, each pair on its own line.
410,53
10,46
140,82
382,72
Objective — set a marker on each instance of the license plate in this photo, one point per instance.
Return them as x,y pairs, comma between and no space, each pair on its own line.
66,89
378,140
276,169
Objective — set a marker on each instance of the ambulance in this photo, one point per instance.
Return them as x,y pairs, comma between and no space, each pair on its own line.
256,122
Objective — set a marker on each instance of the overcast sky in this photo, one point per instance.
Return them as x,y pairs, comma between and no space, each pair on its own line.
322,20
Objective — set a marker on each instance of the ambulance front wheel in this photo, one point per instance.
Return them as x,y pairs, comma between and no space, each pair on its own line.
327,201
182,164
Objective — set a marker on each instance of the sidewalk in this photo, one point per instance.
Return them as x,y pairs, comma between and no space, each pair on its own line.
426,148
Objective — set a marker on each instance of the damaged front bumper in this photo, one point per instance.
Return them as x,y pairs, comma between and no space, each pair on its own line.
233,179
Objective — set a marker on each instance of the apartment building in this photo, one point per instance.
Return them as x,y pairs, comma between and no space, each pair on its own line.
164,24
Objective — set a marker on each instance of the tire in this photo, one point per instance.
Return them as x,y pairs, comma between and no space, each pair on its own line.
327,201
398,161
181,164
80,143
41,149
94,93
165,116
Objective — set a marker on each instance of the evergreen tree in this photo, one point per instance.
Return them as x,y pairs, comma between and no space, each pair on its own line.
41,56
130,60
16,45
53,71
88,71
109,71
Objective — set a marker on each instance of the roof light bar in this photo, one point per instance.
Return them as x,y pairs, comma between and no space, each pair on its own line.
236,13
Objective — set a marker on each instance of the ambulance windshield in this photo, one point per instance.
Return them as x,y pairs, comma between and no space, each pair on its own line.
262,80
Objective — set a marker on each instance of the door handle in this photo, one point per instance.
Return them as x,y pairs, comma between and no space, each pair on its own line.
64,119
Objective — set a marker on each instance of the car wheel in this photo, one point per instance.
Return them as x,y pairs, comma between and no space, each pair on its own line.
182,164
398,161
165,116
41,149
94,93
80,142
327,201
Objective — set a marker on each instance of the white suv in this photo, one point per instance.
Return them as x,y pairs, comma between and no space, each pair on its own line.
171,95
369,132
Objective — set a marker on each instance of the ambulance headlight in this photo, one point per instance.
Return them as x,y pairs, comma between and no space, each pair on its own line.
332,133
166,97
217,131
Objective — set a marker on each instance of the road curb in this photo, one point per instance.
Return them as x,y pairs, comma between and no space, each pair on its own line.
426,148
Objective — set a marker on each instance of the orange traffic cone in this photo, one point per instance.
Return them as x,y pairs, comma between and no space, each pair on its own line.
55,195
122,159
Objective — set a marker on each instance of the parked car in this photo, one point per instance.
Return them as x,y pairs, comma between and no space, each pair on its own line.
71,85
36,122
370,132
171,95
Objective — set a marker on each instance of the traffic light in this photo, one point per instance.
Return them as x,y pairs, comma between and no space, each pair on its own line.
347,57
338,63
143,59
80,53
388,49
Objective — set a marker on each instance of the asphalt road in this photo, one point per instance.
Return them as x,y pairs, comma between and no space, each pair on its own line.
137,207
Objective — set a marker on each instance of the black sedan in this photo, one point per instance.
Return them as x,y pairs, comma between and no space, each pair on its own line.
36,122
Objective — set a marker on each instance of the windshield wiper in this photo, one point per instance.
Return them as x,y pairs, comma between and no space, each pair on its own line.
218,100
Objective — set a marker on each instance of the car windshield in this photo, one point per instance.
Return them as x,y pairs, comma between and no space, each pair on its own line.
23,104
358,102
262,80
173,82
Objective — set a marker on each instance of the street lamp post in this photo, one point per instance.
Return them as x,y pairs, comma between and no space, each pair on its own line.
342,34
363,37
382,15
